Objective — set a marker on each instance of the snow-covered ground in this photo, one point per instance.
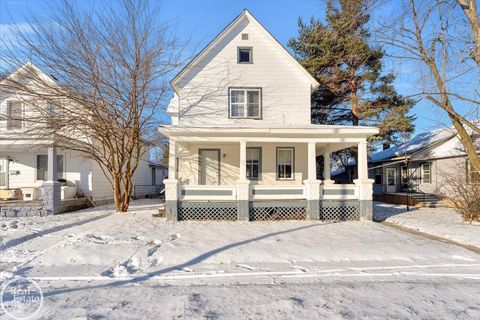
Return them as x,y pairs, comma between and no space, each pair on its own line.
440,222
96,264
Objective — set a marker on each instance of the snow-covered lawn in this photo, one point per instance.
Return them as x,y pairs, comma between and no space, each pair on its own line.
440,222
96,264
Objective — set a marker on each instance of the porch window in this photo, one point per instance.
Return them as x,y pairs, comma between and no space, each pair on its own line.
426,172
42,167
285,162
245,103
254,156
14,115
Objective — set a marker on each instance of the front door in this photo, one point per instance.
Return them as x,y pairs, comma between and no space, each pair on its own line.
209,167
391,180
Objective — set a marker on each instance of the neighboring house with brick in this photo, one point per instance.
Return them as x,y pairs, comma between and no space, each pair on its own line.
26,159
241,143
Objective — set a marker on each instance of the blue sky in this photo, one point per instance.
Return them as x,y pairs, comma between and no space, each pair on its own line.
199,21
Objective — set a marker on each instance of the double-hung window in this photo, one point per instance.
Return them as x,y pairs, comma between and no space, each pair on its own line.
285,163
254,156
426,172
245,103
14,115
42,167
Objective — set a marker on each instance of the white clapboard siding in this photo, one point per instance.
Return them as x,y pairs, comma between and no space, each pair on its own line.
285,88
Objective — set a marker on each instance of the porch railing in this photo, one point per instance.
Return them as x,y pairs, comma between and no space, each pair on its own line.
277,192
339,192
208,192
267,192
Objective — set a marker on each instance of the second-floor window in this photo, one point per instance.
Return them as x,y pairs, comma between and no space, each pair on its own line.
245,103
14,115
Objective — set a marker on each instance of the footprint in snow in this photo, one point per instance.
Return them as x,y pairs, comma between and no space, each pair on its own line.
173,237
245,266
153,249
303,269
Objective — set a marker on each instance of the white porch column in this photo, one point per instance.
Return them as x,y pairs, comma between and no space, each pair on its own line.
51,189
171,184
243,185
326,169
312,185
364,184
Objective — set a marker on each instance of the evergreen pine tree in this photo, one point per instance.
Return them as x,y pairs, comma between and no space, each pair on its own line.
353,89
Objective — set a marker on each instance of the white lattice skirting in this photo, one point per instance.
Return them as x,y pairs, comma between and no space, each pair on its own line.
207,210
337,210
278,210
330,210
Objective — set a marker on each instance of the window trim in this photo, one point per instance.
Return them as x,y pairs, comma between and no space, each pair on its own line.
36,166
259,178
22,107
244,48
245,89
395,177
293,164
430,172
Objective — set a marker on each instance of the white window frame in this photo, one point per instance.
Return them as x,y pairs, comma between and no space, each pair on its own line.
292,172
422,172
394,170
245,103
46,171
22,107
257,162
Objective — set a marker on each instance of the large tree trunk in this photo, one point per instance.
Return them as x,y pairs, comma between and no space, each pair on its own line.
469,8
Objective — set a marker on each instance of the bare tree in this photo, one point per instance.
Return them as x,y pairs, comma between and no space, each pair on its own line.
425,33
109,65
469,8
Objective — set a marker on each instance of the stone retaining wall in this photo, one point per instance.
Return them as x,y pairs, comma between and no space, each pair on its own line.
36,208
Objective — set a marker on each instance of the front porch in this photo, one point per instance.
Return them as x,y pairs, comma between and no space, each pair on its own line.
228,182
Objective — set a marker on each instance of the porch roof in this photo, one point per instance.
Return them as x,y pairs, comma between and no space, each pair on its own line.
312,131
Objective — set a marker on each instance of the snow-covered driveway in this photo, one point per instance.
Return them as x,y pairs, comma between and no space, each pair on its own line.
96,263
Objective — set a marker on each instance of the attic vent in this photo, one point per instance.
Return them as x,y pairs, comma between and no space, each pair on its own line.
244,36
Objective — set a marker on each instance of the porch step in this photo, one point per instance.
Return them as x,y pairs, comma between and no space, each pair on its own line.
432,204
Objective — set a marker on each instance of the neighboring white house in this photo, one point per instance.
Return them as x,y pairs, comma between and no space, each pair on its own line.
24,160
241,143
423,164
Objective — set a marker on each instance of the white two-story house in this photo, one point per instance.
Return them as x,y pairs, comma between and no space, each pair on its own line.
25,153
241,142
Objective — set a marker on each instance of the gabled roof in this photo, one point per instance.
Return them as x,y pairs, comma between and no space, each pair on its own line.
24,69
231,26
440,143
